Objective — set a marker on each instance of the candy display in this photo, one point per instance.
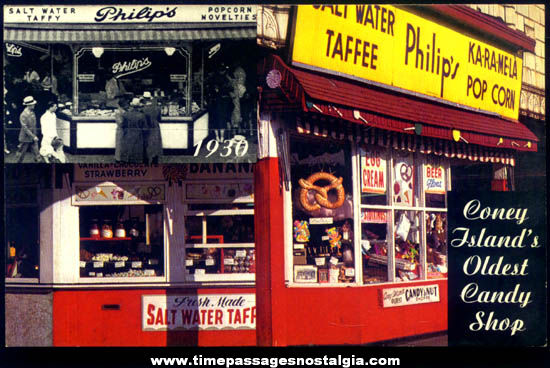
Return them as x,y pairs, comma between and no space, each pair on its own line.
301,231
115,253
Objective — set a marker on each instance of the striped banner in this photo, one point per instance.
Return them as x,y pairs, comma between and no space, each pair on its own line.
405,142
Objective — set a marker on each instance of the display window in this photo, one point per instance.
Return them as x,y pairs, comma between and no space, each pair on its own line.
106,75
400,221
22,225
407,237
121,241
219,231
322,213
375,240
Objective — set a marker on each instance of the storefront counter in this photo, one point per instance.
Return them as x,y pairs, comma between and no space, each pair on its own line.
99,132
135,317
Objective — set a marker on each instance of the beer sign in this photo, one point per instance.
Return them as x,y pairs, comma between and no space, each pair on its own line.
434,179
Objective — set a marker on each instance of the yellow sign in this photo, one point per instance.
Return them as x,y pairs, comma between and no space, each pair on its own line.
388,45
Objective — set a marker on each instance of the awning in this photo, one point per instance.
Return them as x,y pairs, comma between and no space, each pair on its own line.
125,33
388,110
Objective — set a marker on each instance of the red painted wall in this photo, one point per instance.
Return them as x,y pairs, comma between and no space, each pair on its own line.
322,316
78,320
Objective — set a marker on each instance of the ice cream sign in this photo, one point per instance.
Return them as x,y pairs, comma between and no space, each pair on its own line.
373,172
434,179
198,312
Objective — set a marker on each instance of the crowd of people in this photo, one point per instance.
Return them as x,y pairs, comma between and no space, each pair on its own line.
33,110
31,113
138,137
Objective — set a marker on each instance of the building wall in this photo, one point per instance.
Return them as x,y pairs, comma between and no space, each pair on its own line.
528,19
28,319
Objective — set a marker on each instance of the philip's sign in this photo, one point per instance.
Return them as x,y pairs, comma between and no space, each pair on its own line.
388,45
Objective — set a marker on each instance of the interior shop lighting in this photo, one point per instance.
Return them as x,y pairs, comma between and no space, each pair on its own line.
169,50
97,51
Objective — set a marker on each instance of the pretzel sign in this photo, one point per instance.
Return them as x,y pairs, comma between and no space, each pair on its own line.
321,195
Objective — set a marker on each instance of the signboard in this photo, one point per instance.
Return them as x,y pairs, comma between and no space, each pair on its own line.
373,172
374,217
434,179
13,50
101,14
497,268
388,45
396,297
403,181
117,172
115,193
234,192
198,312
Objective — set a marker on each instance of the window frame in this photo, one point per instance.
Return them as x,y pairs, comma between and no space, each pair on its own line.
36,187
166,242
230,278
420,160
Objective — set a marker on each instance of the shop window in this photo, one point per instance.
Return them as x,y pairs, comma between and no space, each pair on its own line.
436,244
121,241
107,75
375,240
219,236
322,213
407,237
22,226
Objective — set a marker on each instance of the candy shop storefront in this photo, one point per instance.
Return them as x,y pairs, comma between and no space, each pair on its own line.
366,137
97,56
131,255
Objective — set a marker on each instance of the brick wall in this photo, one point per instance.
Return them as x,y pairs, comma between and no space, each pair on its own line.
529,19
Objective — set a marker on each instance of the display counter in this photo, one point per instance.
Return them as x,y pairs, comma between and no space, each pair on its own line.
99,132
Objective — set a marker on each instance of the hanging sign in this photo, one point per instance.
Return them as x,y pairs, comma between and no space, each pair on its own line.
122,68
86,77
373,172
198,312
389,45
434,179
403,181
410,295
178,77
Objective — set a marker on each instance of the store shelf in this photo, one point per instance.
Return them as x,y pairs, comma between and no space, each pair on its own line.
106,239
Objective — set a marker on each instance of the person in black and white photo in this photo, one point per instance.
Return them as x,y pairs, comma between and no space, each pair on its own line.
51,148
152,139
28,135
133,124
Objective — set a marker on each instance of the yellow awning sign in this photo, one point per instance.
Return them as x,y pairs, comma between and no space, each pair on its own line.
388,45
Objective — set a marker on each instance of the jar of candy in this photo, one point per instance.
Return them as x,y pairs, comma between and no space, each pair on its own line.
107,230
120,232
94,229
134,232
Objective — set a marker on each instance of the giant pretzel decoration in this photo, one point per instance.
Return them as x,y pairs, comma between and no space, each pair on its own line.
321,195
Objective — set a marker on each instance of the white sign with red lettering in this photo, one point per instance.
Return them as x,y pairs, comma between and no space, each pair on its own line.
198,312
434,179
373,172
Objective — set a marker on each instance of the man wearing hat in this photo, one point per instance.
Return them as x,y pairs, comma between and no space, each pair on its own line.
28,134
